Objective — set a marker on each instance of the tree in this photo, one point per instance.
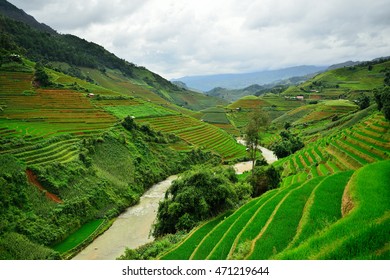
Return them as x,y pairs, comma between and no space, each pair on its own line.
41,77
386,80
258,119
363,101
382,98
198,194
264,178
288,145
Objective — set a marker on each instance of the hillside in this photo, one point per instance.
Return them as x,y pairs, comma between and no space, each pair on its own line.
307,217
79,164
69,160
346,82
91,62
9,10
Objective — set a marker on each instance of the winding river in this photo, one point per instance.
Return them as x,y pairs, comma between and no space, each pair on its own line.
132,228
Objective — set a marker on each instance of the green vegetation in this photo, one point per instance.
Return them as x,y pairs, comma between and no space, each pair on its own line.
382,98
317,219
197,195
83,134
79,236
367,210
288,145
139,111
92,63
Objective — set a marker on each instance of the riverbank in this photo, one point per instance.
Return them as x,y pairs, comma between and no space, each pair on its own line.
132,228
268,155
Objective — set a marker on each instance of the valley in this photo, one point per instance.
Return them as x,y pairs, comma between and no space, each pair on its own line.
88,140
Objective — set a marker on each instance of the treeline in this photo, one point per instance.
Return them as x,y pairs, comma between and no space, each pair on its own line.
44,46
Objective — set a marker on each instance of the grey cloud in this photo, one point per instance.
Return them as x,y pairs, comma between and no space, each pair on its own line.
177,38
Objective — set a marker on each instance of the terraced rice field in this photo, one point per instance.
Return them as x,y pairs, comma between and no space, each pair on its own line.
301,221
198,134
40,126
348,149
54,111
249,103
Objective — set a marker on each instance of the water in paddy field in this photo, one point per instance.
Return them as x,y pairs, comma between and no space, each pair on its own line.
132,228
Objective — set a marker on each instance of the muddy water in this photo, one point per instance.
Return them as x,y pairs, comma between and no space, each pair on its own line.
131,229
268,155
247,165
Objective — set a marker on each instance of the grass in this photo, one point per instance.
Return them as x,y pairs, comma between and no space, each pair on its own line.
139,111
255,224
199,134
78,237
323,207
284,223
184,249
370,211
212,238
214,117
222,246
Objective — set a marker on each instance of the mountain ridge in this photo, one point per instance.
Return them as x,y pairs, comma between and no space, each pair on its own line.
242,80
11,11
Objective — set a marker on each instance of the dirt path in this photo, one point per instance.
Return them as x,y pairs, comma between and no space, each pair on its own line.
32,179
131,229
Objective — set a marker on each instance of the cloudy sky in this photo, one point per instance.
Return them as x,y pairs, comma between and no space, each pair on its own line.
175,38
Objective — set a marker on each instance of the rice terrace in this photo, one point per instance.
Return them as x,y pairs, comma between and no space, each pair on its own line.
86,138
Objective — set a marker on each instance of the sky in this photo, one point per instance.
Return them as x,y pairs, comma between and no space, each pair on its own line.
185,38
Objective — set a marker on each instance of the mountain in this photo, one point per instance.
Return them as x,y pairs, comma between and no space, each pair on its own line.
234,94
9,10
343,64
277,87
236,81
22,34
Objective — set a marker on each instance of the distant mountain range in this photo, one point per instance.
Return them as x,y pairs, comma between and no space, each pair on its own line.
237,81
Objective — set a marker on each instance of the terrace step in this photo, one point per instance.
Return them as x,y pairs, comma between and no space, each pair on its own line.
322,208
283,222
259,219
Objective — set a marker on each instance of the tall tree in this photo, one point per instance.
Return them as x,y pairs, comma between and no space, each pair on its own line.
258,119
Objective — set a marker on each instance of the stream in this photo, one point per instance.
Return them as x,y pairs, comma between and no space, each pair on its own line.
132,228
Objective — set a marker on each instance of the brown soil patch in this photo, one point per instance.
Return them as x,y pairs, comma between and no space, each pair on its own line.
32,179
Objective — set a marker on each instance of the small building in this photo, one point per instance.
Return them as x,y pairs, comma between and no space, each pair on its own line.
91,95
300,97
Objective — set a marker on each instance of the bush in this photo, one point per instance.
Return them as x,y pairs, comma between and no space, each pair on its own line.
288,145
41,77
363,101
264,179
382,98
198,194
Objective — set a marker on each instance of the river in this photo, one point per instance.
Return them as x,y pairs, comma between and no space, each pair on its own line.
132,228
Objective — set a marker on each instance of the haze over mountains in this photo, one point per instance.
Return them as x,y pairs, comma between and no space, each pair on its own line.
236,81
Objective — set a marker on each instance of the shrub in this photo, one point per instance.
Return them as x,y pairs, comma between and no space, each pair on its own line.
198,194
264,179
382,98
